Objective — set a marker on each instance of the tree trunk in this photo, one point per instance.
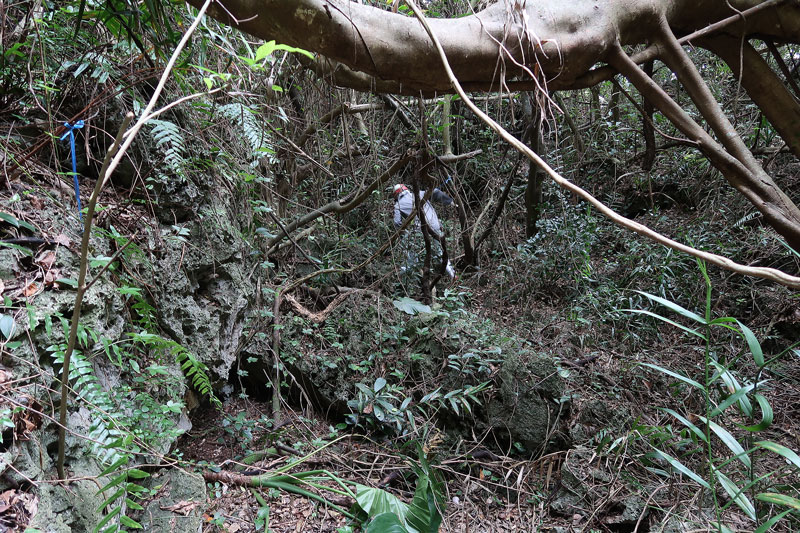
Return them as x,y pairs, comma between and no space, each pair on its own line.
533,190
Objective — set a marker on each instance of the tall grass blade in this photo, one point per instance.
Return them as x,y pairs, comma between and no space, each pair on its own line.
753,344
668,321
696,430
675,375
736,494
763,528
729,441
683,469
779,499
675,307
781,450
766,415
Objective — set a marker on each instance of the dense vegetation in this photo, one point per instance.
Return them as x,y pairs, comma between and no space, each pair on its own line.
244,344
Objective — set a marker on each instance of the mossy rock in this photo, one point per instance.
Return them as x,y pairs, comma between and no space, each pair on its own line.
530,403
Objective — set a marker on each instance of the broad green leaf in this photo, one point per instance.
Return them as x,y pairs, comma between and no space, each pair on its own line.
129,522
753,344
378,501
680,467
113,468
7,326
269,47
674,307
423,512
17,247
133,505
736,494
411,306
781,450
122,478
779,499
386,523
100,261
379,384
675,375
729,441
108,517
264,50
766,415
111,499
135,473
17,223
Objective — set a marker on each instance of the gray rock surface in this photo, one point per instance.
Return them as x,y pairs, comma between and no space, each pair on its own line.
179,503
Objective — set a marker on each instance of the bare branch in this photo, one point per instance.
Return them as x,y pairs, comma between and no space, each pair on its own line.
721,261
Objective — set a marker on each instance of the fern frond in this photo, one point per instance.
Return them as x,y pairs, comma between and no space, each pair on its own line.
194,370
745,219
103,430
245,118
169,140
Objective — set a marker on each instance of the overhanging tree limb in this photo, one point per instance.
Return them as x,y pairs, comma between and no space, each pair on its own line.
501,46
721,261
739,167
762,85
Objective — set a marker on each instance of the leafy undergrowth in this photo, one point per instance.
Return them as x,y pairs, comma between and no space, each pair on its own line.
482,491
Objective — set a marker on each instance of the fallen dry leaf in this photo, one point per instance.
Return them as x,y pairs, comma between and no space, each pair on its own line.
5,377
30,290
182,508
46,259
36,202
51,276
26,420
62,239
2,286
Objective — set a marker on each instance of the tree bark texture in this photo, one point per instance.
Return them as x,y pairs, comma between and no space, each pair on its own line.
565,38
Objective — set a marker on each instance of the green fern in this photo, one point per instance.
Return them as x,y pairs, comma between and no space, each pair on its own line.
245,118
193,369
103,429
169,140
108,441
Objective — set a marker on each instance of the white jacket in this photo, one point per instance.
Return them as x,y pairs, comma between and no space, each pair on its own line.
404,204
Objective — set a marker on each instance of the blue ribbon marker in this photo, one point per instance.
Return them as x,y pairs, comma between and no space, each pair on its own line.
71,132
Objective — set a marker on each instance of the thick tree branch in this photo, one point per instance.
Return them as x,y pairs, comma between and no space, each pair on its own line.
758,187
564,38
721,261
734,23
762,85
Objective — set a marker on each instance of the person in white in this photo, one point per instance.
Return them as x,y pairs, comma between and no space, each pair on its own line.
404,204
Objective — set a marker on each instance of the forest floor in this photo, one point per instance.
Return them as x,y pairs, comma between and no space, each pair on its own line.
492,494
